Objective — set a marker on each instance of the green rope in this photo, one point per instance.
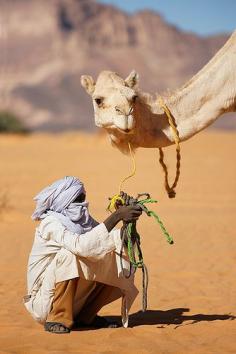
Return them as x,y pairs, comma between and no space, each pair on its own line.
132,232
134,251
156,217
133,245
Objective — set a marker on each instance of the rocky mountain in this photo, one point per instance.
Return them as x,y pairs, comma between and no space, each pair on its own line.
48,44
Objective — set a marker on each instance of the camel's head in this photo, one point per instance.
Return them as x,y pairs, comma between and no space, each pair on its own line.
113,99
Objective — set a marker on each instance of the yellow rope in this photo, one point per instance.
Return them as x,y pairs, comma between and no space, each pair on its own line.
171,122
117,198
133,168
170,189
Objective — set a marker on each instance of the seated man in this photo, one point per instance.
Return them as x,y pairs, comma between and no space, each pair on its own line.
74,265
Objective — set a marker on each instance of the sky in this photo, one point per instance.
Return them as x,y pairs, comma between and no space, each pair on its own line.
204,17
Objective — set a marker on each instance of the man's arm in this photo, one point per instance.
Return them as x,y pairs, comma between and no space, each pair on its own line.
93,244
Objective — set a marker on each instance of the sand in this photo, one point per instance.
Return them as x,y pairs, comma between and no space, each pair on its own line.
192,292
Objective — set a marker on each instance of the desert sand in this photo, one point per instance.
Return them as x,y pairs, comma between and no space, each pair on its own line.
192,291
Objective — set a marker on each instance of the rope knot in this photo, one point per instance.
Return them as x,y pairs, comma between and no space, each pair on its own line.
171,194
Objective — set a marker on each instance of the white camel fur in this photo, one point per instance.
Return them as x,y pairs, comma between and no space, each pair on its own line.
130,115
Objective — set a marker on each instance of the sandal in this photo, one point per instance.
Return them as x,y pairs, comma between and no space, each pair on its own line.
56,327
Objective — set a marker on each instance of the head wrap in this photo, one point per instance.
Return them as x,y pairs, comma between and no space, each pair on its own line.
57,199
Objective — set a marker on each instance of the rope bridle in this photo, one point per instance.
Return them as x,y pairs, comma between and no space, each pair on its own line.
170,189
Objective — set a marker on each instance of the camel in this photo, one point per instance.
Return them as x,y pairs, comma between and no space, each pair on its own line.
131,116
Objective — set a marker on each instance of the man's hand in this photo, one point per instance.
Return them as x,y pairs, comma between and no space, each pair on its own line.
127,213
127,198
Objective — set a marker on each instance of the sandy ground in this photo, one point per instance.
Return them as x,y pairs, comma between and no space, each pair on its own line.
192,292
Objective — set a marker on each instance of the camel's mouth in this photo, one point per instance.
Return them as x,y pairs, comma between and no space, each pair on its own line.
125,131
114,128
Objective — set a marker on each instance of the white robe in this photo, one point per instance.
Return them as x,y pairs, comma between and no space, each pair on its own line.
58,254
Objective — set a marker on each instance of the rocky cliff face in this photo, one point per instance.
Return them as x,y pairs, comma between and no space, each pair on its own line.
47,45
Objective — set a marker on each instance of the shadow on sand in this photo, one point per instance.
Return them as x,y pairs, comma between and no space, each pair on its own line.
175,317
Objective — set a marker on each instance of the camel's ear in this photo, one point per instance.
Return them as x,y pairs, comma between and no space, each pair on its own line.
132,79
88,83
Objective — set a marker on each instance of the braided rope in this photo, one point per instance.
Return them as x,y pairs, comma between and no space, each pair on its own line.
170,189
156,217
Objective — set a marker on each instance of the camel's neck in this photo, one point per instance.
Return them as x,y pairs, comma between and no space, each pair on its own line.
198,104
208,95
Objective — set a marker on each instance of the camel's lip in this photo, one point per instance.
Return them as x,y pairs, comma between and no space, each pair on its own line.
125,131
114,127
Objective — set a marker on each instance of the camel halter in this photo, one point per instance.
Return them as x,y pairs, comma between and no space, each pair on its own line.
170,189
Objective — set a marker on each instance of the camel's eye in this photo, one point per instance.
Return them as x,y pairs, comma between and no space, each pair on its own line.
99,101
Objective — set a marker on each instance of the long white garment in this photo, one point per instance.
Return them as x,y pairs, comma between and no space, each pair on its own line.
58,254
